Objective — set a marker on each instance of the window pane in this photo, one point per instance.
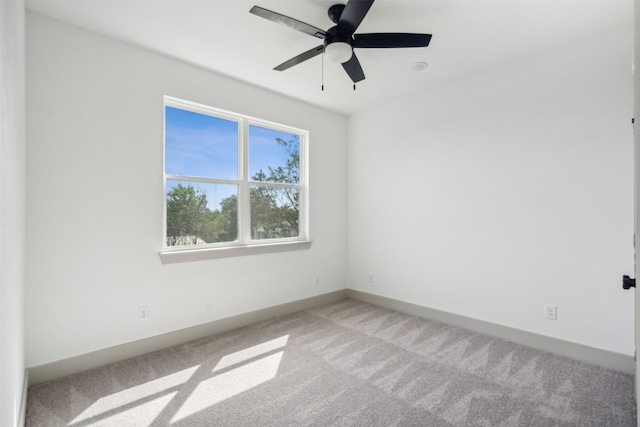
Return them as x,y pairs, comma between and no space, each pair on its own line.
200,213
274,156
275,212
200,145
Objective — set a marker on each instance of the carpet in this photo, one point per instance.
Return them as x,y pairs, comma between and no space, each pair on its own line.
346,363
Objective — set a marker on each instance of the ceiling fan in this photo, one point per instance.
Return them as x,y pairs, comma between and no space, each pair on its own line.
340,40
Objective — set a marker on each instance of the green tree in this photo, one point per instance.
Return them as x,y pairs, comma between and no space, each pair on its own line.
191,222
228,219
275,211
187,215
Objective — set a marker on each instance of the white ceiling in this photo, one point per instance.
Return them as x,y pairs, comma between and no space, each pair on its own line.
469,37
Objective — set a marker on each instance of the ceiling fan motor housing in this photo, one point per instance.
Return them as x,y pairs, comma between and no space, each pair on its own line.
336,34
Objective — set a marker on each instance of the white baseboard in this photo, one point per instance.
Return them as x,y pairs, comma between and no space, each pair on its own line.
74,365
23,403
62,368
596,356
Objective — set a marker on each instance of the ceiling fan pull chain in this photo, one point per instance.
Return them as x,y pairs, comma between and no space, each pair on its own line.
323,71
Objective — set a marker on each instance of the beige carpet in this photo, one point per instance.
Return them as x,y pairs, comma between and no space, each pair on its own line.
346,363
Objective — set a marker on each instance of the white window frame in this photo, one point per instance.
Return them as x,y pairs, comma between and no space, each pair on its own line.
245,244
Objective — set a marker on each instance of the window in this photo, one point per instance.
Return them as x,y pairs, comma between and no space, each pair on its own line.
231,180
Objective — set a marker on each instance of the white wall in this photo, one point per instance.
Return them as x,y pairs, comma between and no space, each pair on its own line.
12,209
494,196
95,197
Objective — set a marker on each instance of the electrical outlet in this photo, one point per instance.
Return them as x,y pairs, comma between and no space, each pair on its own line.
143,313
550,312
370,278
317,279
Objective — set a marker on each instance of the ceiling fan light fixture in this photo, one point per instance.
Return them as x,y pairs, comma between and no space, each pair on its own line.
339,52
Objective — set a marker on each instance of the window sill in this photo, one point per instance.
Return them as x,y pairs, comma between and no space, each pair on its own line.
172,257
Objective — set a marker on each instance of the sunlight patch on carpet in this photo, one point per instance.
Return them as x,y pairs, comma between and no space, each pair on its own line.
234,374
142,401
251,352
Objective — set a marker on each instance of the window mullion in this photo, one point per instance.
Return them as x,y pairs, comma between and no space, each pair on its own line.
244,213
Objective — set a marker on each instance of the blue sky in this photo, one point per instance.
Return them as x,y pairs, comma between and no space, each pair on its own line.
201,145
264,150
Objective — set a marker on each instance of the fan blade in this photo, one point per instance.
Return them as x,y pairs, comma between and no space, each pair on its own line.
289,22
354,69
300,58
353,14
382,40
